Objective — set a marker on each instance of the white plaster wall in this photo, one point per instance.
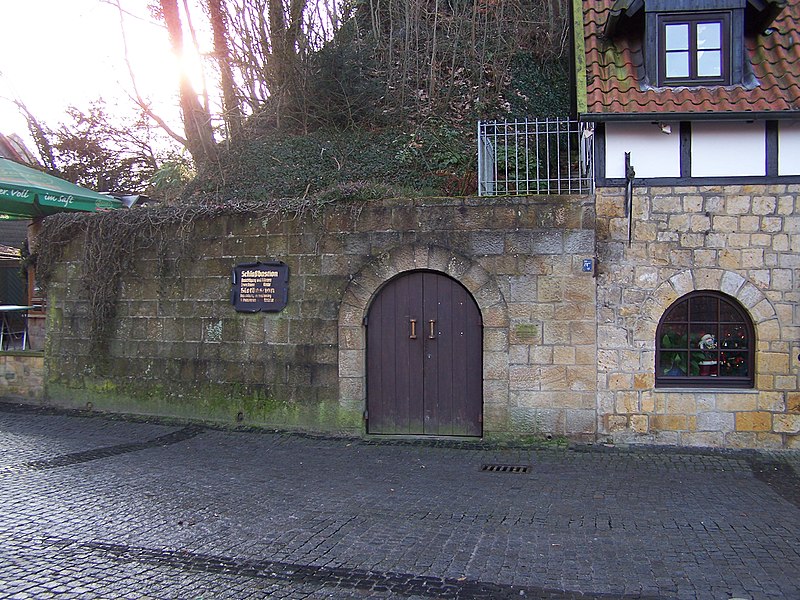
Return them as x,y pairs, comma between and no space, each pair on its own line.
653,152
728,149
788,148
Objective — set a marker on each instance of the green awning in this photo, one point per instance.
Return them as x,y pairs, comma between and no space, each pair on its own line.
26,193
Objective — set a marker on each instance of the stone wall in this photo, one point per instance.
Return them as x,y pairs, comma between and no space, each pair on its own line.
741,240
564,352
22,375
179,348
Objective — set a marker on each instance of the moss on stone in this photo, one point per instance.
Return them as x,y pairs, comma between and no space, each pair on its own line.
223,404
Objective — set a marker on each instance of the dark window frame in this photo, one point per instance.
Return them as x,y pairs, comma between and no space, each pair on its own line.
734,358
693,20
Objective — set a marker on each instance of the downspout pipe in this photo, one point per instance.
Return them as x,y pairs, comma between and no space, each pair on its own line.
630,174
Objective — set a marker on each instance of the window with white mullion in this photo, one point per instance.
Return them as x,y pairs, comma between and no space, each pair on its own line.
709,49
694,49
677,50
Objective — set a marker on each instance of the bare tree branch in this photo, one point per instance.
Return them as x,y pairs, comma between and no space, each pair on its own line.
137,97
40,138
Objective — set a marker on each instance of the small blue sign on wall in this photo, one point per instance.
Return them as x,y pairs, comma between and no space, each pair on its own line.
588,265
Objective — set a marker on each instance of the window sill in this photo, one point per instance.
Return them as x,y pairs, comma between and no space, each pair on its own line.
705,390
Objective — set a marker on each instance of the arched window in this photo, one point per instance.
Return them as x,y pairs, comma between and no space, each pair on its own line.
705,339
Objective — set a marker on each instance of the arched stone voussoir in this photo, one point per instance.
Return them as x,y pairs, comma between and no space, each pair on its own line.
750,296
437,258
365,284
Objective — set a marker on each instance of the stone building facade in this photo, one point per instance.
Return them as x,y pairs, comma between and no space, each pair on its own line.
743,241
565,350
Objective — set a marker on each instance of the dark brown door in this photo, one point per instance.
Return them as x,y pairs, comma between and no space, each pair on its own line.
424,358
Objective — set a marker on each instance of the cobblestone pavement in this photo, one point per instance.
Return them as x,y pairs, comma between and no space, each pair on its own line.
94,507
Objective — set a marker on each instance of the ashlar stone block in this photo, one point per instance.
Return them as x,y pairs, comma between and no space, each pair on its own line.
708,279
581,378
626,403
703,439
793,402
683,283
730,259
786,423
754,421
771,401
731,283
765,205
640,423
769,331
716,421
614,423
580,421
772,362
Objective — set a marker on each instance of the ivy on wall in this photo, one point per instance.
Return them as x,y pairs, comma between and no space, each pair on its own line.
112,240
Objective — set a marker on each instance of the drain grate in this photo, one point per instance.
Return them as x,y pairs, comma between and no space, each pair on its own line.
506,468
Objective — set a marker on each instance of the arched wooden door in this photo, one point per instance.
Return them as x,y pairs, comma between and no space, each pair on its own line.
424,358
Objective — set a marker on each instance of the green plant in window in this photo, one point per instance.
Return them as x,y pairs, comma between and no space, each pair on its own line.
673,363
677,358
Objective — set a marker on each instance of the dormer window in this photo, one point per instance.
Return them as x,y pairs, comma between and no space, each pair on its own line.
691,43
694,49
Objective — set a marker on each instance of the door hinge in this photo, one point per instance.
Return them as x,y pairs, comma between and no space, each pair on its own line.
364,320
366,415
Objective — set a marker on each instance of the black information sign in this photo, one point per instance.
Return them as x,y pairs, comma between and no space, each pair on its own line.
261,286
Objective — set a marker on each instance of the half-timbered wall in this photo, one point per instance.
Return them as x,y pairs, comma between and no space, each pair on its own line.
710,152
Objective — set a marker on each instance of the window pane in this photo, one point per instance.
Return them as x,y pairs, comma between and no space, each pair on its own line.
704,341
709,36
734,337
677,36
728,313
677,64
709,63
673,364
733,364
678,313
673,336
704,308
705,334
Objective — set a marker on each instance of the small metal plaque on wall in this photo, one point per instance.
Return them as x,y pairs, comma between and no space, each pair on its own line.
260,286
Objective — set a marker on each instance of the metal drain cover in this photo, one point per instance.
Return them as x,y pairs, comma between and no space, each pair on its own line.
506,468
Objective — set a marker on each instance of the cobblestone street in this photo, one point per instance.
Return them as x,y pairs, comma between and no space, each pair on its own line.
94,507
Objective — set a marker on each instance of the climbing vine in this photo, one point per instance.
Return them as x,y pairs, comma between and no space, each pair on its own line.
111,241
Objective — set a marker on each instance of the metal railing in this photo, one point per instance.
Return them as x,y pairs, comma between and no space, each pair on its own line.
540,156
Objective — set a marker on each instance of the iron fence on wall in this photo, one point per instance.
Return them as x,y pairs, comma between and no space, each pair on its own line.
539,156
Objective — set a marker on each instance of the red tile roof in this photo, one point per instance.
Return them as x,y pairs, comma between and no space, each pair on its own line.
613,71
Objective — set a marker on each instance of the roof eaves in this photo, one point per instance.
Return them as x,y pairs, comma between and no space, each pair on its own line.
694,116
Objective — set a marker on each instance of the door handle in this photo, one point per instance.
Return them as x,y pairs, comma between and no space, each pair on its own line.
432,335
413,335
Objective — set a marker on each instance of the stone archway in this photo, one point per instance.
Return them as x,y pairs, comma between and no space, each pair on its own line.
763,314
366,283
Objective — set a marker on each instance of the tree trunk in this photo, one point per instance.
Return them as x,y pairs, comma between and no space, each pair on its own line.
231,108
196,119
284,33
